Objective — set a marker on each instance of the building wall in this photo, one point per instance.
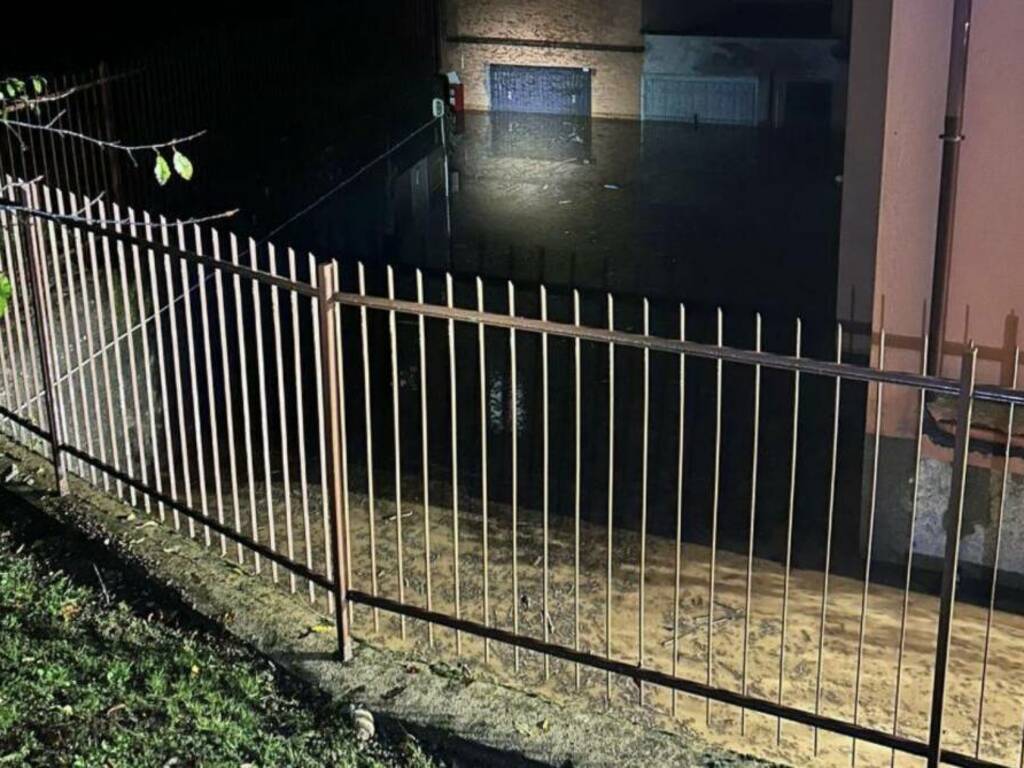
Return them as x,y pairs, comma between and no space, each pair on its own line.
862,166
484,32
892,169
899,74
987,271
905,251
774,62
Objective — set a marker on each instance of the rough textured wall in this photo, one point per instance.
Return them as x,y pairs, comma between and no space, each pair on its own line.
610,22
615,74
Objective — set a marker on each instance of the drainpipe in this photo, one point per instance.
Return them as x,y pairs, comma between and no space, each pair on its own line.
952,136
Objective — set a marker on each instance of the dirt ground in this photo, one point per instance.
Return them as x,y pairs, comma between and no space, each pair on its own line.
456,713
1000,738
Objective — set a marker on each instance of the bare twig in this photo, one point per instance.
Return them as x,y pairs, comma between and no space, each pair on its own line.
77,218
21,103
18,184
67,133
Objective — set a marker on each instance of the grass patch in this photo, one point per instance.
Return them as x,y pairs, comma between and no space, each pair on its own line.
85,680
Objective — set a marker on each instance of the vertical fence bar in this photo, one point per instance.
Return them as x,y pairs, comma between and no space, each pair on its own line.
828,533
140,306
229,405
325,494
789,525
995,558
644,450
179,401
546,483
910,548
157,311
204,311
397,435
10,227
90,344
680,466
879,394
450,294
611,503
243,367
7,376
77,333
14,348
514,428
330,393
24,250
577,386
264,412
54,265
425,459
714,518
275,309
482,347
954,523
115,342
367,403
343,423
752,529
300,421
39,240
54,407
22,240
65,180
133,372
37,261
186,298
101,325
74,150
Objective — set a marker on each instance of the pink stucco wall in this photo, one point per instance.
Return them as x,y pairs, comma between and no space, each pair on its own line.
987,276
890,195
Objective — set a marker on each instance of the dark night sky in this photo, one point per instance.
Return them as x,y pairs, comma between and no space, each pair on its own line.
123,30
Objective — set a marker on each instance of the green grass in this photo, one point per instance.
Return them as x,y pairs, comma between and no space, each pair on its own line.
87,683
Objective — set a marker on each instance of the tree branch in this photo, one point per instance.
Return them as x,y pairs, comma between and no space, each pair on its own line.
20,103
103,143
77,218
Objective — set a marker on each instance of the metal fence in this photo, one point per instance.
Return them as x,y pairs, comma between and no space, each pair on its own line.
253,419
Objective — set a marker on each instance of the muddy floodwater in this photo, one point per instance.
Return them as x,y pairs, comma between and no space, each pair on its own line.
806,656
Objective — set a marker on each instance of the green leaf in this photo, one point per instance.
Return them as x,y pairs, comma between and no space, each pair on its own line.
37,85
162,170
10,89
182,165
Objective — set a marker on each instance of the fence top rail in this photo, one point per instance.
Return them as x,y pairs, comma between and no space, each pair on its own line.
300,287
936,384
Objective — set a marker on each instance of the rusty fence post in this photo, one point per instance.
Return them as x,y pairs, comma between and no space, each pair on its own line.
953,525
44,340
326,287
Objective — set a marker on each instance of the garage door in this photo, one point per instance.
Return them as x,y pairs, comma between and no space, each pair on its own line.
732,101
542,90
